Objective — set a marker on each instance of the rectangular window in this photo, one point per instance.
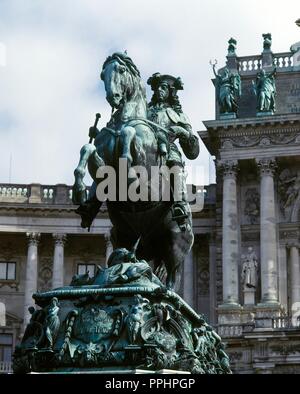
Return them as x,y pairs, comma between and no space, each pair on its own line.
84,268
6,345
7,270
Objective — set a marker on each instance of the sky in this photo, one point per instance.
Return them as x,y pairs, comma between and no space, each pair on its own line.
51,54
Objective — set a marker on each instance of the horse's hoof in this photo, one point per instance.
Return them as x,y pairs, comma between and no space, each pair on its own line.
79,197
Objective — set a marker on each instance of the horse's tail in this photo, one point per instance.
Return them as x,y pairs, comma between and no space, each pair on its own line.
161,272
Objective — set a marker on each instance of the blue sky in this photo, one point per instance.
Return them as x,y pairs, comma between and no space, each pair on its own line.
51,53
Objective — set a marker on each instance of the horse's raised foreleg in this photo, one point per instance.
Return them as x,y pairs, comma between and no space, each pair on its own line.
94,162
79,188
127,135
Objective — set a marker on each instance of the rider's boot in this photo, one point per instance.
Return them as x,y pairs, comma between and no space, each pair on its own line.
89,209
180,211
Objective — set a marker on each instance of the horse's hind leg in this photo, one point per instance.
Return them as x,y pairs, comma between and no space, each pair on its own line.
177,244
79,188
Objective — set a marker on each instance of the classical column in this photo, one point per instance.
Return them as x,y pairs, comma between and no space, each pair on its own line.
188,279
294,280
58,261
31,273
268,244
212,278
230,234
108,246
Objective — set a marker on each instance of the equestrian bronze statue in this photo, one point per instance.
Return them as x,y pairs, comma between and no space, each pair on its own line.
134,136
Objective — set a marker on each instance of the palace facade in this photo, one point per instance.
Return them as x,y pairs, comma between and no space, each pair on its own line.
243,272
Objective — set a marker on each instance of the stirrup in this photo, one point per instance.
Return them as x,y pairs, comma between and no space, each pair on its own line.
179,215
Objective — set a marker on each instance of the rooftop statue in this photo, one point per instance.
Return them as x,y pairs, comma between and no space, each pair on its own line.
228,87
265,90
267,41
232,46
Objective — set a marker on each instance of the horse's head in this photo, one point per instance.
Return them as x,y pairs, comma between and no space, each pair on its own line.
121,79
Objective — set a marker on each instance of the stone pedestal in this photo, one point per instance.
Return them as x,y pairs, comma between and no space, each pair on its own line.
265,113
35,194
249,295
227,115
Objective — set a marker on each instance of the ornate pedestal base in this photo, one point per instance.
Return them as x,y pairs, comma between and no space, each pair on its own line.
264,113
123,318
228,115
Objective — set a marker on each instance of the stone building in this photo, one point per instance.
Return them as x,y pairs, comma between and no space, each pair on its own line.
257,213
243,272
42,246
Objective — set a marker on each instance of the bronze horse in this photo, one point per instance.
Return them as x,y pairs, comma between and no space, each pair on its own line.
129,136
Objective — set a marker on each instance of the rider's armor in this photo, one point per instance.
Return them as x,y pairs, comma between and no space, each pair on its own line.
166,117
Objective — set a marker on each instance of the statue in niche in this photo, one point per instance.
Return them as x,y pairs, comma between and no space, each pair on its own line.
293,190
265,91
252,205
289,188
228,86
250,269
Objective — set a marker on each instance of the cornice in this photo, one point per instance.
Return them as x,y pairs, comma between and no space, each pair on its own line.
254,123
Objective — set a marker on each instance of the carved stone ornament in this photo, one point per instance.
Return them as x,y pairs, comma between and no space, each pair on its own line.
60,239
123,317
285,137
228,168
267,166
33,238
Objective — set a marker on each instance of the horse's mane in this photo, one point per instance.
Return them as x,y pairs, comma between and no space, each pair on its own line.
137,83
124,59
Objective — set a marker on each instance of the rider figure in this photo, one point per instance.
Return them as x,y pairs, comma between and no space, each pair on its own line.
165,110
